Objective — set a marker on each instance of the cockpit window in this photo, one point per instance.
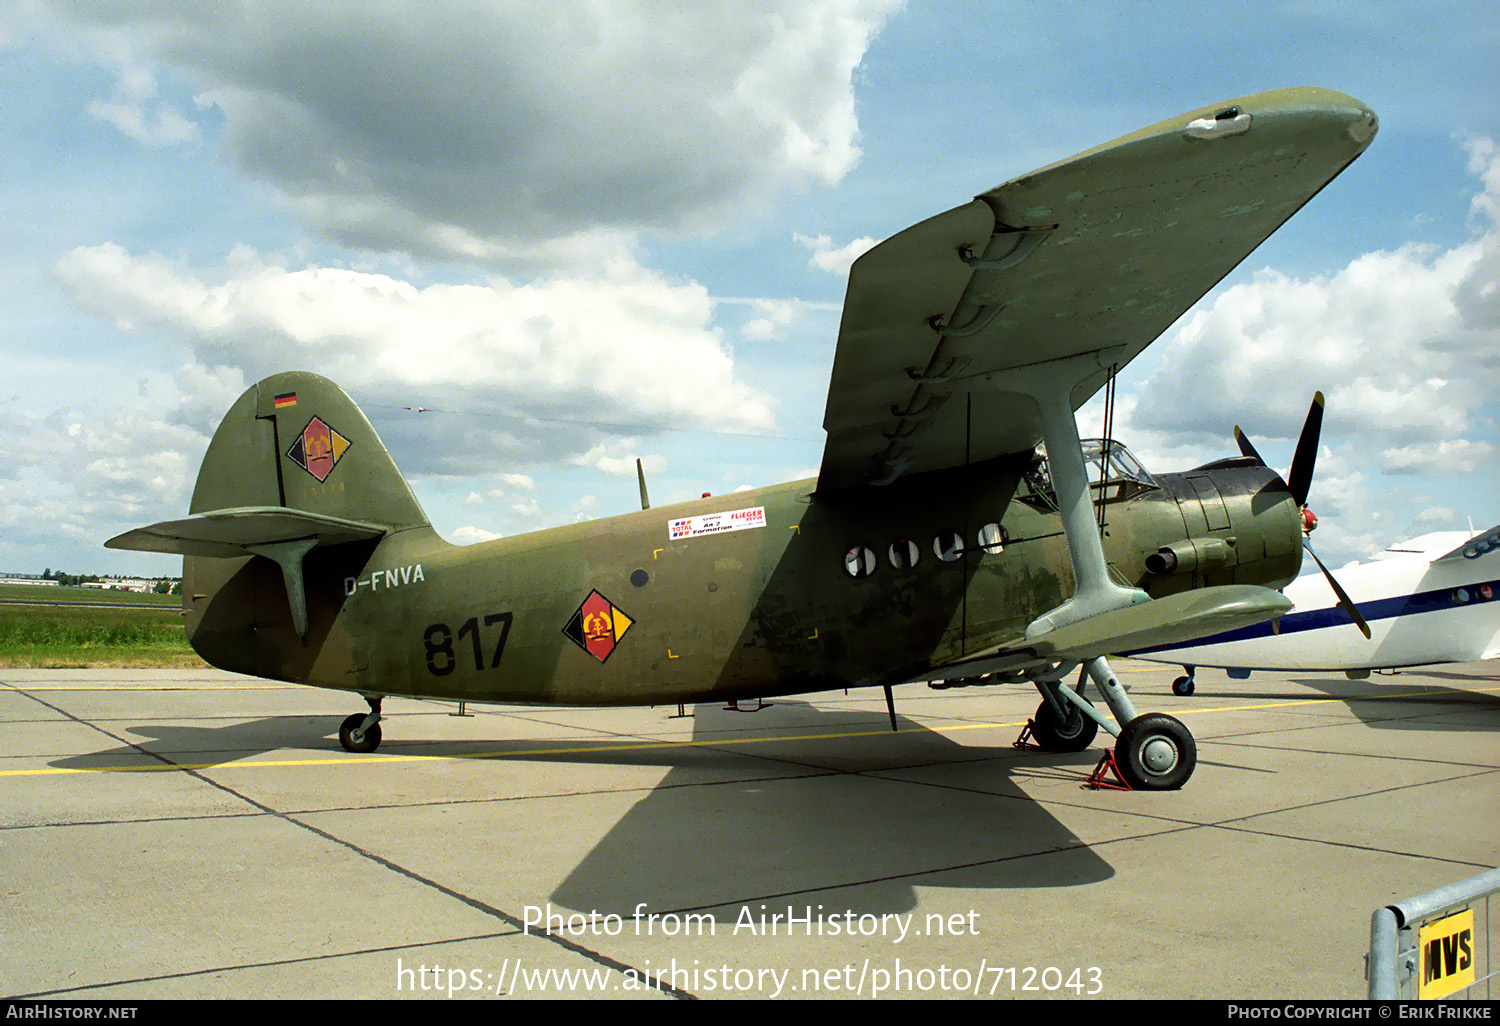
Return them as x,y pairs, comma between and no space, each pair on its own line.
1120,463
1113,470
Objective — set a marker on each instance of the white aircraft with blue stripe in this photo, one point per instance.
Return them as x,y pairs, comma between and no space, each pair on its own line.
1433,599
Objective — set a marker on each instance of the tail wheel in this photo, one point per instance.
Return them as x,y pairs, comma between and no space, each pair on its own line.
367,742
1057,735
1155,752
1182,686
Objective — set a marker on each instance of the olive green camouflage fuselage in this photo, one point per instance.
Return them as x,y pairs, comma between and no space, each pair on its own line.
764,609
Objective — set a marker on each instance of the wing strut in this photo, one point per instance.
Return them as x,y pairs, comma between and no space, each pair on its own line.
1050,385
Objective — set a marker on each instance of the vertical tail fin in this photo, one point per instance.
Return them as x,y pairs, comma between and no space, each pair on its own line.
295,493
297,441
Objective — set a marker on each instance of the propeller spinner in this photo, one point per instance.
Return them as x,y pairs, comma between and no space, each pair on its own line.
1298,482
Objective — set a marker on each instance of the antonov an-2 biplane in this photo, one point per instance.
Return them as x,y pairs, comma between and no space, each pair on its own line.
936,544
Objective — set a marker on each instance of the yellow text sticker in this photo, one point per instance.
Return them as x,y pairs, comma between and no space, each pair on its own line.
1446,947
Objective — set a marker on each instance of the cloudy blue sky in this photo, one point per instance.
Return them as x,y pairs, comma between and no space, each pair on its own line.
579,233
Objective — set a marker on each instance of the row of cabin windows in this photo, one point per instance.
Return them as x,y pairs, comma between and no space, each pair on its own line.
903,553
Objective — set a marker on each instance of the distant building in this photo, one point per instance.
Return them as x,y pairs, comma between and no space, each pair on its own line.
122,584
27,579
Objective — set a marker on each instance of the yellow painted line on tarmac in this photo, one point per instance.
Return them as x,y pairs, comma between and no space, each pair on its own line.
1328,701
576,748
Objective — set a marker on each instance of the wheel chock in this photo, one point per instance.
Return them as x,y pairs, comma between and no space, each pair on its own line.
1024,741
1107,766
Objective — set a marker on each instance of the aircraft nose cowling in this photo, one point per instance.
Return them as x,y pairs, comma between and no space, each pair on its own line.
1242,527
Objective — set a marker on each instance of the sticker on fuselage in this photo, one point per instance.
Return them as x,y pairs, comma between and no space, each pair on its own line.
716,523
597,626
318,449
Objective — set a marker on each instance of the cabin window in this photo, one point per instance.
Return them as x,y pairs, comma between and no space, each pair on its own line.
992,539
948,545
859,561
904,554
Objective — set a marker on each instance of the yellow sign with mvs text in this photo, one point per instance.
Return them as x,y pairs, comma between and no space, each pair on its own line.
1447,955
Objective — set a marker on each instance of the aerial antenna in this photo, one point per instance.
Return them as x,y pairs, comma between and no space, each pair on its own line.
640,473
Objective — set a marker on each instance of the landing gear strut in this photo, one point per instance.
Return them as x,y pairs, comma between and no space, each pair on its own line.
361,732
1056,734
1153,751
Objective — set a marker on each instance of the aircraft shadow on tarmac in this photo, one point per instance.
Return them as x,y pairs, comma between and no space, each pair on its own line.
850,837
734,821
208,746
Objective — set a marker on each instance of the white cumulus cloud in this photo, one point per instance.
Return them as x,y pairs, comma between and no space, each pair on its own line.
531,371
484,130
775,317
1404,343
831,258
135,110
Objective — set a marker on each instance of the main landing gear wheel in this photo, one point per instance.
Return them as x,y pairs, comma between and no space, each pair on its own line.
1155,752
1071,735
367,741
1183,686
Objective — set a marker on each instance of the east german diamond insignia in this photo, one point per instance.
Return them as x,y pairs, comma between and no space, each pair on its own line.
318,449
597,626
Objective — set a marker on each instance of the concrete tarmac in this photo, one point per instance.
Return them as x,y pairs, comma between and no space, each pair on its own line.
196,834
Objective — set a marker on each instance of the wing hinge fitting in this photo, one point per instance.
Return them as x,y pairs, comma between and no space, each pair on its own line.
975,324
955,366
1029,238
892,469
1007,246
927,409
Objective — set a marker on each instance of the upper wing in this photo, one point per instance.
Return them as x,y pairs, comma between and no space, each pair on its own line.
1098,253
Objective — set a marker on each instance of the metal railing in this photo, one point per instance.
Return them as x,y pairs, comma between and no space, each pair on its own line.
1404,965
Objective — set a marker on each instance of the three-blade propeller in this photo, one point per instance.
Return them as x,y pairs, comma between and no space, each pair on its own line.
1298,482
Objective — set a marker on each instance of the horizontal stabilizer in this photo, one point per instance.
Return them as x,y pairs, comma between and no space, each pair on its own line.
243,530
1165,621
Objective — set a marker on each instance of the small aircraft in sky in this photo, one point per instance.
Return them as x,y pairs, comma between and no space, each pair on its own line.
937,542
1432,599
